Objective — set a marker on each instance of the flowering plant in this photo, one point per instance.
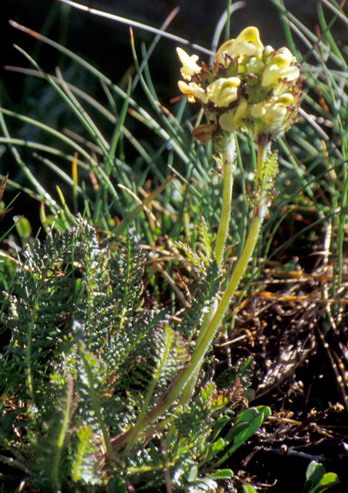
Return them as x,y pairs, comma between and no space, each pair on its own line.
250,88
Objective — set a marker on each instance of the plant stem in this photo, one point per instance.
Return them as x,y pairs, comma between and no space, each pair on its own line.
58,447
228,157
183,379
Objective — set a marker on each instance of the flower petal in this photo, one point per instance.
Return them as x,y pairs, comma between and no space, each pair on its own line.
223,91
247,43
193,91
232,119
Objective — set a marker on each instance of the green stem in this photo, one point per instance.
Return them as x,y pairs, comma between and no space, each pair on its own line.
182,380
228,159
58,448
191,383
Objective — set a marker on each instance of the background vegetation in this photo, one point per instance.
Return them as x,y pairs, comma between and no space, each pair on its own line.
109,214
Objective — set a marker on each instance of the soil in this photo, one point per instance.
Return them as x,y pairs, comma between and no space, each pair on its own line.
294,326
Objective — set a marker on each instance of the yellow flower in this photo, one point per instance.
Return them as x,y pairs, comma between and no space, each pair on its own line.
247,43
232,119
193,91
249,87
257,110
281,66
274,110
274,113
189,64
223,92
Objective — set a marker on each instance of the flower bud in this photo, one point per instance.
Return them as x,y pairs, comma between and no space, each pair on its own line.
189,64
281,66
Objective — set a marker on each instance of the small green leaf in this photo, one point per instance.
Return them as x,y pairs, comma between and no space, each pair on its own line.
318,480
215,448
247,423
222,474
23,227
315,471
218,425
329,479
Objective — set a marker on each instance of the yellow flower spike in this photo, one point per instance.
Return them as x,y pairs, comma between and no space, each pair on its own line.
223,92
250,88
193,91
189,64
232,119
247,43
232,92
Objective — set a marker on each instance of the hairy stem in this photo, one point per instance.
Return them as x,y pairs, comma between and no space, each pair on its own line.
179,384
228,159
